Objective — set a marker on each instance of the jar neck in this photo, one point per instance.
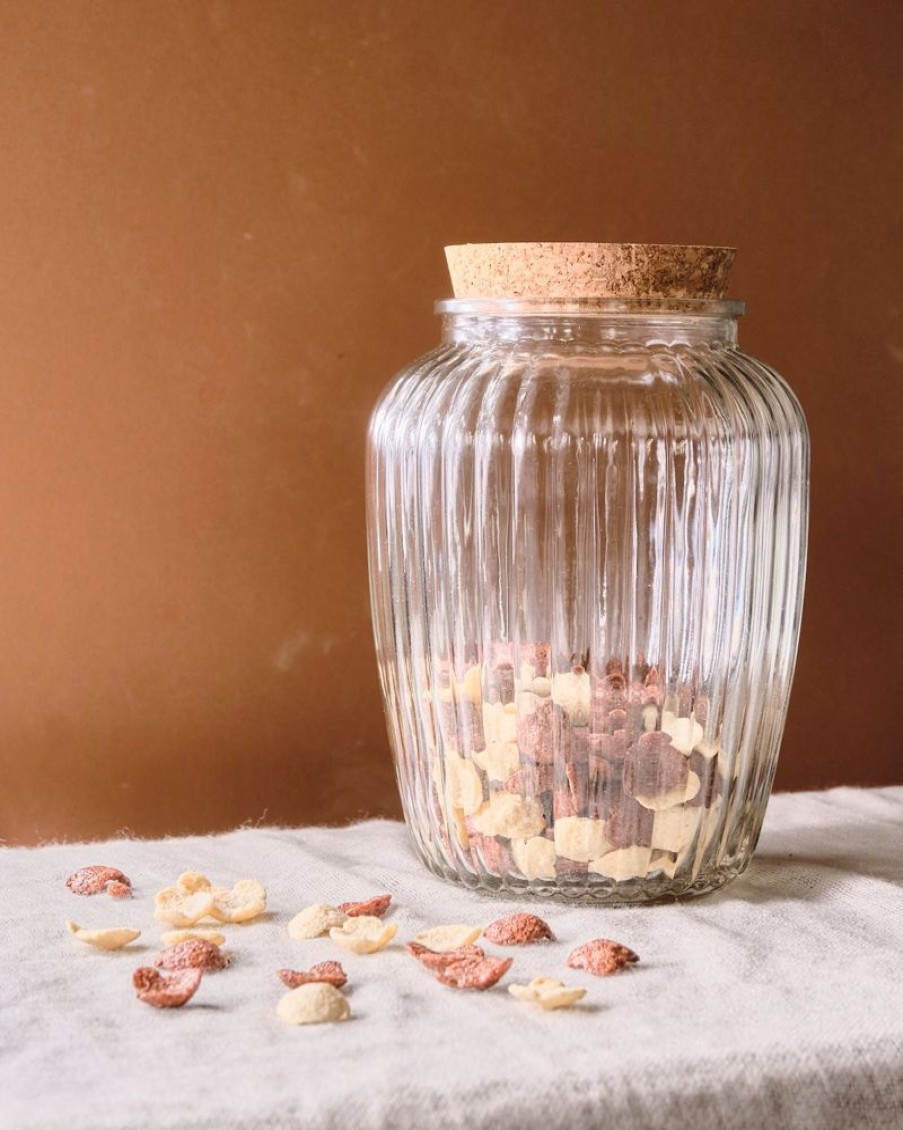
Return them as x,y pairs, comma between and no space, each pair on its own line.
591,322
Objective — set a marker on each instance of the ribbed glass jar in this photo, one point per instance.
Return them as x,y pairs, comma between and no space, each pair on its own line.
587,534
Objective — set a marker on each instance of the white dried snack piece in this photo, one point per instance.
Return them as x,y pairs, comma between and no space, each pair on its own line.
201,934
460,823
315,920
464,783
191,881
685,733
178,906
314,1003
246,900
580,838
547,992
650,718
671,799
499,722
541,687
535,857
444,939
623,863
364,934
470,687
111,938
572,692
674,828
194,897
511,816
498,760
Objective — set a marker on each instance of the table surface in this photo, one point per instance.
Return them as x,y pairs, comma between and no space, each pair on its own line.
777,1001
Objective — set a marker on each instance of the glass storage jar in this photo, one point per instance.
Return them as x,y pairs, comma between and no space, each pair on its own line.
587,531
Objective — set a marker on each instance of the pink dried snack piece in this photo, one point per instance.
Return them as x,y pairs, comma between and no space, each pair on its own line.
328,972
466,967
519,929
432,960
487,853
602,957
531,781
711,780
607,753
536,655
166,992
570,797
652,696
502,683
375,907
613,688
616,720
116,889
535,737
570,868
629,823
654,767
193,954
564,804
92,880
473,973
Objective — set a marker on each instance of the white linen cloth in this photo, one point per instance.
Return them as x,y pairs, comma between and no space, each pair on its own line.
777,1002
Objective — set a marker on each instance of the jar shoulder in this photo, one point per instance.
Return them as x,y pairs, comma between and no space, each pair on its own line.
623,388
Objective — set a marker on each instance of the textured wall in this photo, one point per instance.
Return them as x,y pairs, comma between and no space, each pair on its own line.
221,231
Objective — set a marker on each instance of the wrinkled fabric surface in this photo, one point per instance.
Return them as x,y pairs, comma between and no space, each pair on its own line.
777,1001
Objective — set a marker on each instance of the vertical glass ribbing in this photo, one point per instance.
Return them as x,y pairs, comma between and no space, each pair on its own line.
586,572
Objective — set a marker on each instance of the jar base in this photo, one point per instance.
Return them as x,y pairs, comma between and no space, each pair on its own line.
577,891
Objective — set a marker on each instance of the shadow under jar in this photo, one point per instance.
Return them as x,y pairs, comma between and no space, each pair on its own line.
587,534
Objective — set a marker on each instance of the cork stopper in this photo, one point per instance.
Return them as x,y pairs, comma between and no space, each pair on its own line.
588,270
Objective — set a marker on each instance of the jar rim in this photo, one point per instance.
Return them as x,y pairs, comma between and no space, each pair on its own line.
589,307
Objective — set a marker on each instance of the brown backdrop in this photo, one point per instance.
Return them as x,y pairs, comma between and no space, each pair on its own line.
221,232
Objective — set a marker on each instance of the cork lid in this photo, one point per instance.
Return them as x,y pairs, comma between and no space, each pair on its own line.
588,270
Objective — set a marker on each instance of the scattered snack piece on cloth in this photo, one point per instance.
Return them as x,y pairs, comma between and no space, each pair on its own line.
442,939
375,907
166,992
467,967
364,934
173,937
194,897
246,900
330,972
92,880
437,959
193,954
519,929
547,992
602,957
314,1003
111,938
177,906
313,921
473,973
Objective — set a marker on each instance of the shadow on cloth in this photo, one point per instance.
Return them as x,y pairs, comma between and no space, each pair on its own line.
807,862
